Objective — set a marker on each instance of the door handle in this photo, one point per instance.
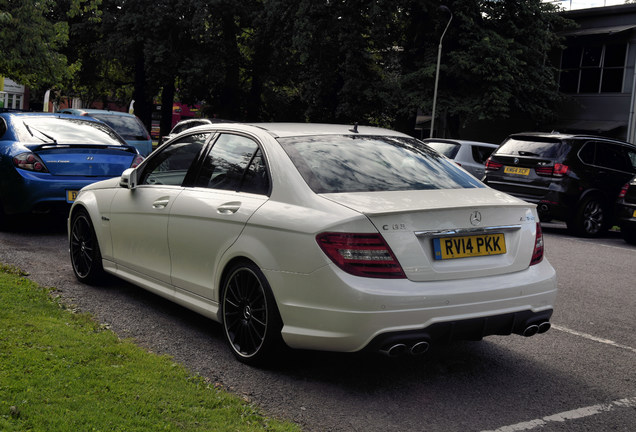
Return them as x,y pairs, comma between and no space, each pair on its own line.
161,203
228,208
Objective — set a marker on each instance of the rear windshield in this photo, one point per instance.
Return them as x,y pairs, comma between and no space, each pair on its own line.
548,149
345,163
447,149
127,126
67,131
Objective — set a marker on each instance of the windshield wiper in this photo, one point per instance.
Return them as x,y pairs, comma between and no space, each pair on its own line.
49,137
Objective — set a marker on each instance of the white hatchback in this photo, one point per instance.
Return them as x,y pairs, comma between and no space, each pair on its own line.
325,237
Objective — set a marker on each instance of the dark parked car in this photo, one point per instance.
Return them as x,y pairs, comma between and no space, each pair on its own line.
573,178
626,211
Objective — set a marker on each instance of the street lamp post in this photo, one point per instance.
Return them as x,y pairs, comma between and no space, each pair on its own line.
439,57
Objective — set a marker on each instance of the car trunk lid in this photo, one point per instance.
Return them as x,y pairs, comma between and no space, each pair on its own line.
91,161
452,233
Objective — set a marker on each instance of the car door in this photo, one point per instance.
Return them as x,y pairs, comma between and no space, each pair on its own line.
139,217
207,218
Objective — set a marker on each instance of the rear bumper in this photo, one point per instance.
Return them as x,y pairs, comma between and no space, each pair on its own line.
333,311
29,192
552,200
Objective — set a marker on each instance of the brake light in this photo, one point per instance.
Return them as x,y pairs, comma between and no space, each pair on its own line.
30,162
492,165
623,191
136,161
537,253
558,170
365,255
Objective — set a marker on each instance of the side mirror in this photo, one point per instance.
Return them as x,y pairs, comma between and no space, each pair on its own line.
128,179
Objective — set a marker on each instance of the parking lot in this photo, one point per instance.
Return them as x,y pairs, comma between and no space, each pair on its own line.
581,375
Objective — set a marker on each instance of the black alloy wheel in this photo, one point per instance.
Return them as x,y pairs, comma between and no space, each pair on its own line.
591,218
85,255
251,321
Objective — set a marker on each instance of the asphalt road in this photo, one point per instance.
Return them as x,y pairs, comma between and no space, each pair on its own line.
579,376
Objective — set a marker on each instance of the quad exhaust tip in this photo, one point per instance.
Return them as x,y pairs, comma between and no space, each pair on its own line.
534,329
399,349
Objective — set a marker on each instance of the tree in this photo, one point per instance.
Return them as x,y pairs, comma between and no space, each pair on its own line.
495,62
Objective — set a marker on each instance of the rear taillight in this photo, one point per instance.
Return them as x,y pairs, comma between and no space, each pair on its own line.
623,191
537,253
558,170
365,255
136,161
492,165
30,162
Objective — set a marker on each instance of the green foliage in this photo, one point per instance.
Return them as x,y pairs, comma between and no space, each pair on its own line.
61,371
367,61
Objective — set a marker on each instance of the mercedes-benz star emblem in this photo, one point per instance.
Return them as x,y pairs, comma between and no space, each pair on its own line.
475,218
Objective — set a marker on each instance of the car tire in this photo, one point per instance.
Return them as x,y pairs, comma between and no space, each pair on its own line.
251,321
591,218
86,257
629,234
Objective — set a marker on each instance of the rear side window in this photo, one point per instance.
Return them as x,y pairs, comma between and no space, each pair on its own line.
481,153
129,127
547,149
235,163
447,149
353,163
608,155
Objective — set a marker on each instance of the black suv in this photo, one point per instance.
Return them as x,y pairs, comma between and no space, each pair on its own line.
573,178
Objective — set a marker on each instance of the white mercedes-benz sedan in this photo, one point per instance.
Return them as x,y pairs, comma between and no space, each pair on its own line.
325,237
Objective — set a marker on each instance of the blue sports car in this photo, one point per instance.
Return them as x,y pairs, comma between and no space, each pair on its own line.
45,159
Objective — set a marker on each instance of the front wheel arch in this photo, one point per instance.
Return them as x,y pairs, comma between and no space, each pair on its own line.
84,249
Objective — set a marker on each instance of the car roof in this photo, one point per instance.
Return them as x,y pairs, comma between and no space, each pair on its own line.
45,114
559,135
305,129
283,130
98,111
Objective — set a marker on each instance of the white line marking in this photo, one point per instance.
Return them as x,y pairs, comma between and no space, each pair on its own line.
569,415
594,338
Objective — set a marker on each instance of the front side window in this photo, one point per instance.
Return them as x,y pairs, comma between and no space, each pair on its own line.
235,163
353,163
171,164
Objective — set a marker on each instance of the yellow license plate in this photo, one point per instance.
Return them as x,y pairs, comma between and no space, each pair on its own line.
634,215
469,246
71,195
516,170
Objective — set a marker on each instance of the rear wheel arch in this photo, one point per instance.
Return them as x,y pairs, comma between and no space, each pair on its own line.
248,313
592,214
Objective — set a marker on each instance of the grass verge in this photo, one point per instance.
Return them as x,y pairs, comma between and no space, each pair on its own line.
61,371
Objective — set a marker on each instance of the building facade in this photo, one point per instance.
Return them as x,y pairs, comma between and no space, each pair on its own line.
13,95
597,73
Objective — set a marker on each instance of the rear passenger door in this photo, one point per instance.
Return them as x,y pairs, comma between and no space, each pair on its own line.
207,218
